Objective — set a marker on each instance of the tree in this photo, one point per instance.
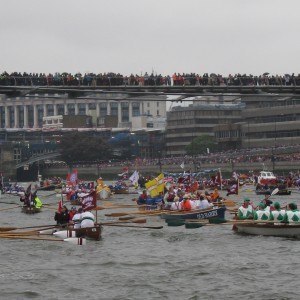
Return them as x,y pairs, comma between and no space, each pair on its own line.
79,147
200,144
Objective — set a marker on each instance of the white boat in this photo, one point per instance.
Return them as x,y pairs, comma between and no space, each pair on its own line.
266,177
283,230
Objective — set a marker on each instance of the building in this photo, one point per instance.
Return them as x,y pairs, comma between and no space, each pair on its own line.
186,123
266,122
30,111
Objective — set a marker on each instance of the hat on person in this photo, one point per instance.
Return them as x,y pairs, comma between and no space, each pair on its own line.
176,198
276,205
186,196
293,205
246,199
262,205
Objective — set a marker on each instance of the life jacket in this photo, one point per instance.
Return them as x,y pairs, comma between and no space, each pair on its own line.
292,216
186,205
37,202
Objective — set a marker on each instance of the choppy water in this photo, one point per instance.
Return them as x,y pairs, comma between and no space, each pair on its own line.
172,263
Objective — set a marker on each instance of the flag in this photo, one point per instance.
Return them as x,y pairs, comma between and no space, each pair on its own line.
89,202
28,190
182,165
72,177
235,175
60,205
134,178
219,178
155,186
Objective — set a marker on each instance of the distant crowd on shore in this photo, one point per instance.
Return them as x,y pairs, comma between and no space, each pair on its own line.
151,79
260,155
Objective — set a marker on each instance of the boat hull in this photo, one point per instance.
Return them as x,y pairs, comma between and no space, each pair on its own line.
268,192
92,233
284,230
30,210
214,213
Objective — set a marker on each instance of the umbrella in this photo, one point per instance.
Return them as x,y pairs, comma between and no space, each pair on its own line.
266,74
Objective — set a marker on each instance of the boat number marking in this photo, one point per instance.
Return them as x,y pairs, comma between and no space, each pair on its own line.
209,214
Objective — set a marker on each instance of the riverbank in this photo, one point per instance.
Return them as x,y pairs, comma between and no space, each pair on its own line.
110,172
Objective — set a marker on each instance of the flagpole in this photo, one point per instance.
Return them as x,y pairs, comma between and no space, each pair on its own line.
220,179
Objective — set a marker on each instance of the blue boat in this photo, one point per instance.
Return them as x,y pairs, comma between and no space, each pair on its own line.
212,213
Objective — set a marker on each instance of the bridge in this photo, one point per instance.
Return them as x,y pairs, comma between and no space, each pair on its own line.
37,158
135,90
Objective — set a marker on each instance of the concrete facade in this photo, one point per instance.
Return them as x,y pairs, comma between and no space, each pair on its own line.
28,112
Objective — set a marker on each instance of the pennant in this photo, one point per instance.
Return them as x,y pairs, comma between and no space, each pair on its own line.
89,202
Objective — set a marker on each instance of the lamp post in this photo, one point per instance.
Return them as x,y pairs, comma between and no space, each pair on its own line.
275,137
248,136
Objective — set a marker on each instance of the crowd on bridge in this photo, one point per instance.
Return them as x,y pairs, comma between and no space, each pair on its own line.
151,79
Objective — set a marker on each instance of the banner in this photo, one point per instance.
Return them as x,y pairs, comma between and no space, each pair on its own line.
155,186
72,177
89,202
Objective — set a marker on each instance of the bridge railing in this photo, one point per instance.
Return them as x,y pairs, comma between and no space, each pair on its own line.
180,80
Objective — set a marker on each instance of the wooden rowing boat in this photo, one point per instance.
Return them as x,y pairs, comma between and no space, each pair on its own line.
92,233
282,230
30,210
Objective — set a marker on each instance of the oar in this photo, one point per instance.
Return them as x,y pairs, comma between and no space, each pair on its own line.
28,227
139,221
132,226
226,203
77,241
10,208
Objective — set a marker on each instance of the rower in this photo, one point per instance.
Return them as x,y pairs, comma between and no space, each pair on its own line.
76,220
62,218
277,214
87,220
263,213
292,215
246,210
204,204
142,198
186,203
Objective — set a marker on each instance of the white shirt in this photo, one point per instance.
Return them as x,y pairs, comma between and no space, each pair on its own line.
87,219
77,220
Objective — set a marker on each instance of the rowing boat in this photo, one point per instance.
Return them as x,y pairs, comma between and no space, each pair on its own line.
92,233
283,230
30,210
216,212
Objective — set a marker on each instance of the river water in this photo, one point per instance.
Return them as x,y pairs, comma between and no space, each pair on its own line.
171,263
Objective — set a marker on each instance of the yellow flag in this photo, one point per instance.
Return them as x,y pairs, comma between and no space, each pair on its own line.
155,186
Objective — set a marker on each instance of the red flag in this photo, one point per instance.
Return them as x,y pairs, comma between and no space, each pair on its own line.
60,205
72,177
89,202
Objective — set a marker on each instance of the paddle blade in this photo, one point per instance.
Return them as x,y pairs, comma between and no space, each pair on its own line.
275,191
76,241
120,214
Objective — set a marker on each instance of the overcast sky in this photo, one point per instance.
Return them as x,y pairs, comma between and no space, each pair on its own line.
134,36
